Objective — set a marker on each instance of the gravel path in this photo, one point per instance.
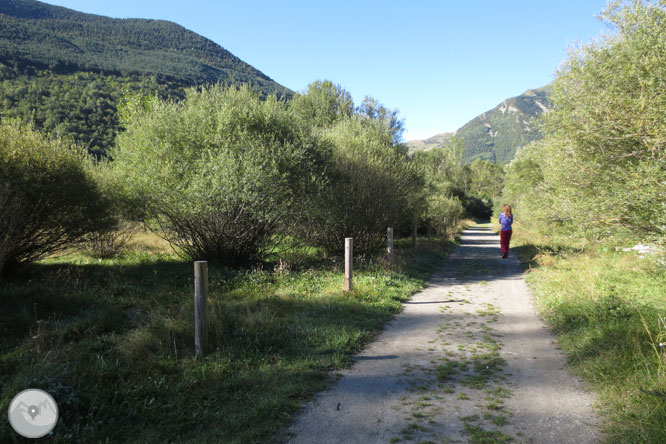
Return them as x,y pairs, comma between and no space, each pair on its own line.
468,360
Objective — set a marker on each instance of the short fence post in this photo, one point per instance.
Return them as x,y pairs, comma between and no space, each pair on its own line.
200,314
389,245
349,252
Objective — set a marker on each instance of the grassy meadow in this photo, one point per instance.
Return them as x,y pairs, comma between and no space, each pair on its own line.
112,339
608,309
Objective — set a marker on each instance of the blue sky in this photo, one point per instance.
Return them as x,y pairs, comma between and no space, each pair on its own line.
440,63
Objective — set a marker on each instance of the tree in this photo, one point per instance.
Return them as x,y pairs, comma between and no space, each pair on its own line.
372,109
371,185
603,161
441,201
49,200
222,173
324,104
487,179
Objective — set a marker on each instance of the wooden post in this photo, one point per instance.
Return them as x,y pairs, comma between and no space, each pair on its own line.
200,315
389,245
349,253
414,237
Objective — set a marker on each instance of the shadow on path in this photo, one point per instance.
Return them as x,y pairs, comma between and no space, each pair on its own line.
470,345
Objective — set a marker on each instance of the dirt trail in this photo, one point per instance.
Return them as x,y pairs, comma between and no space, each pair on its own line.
468,360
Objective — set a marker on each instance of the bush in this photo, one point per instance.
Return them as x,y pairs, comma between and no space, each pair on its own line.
48,198
222,173
599,172
111,237
109,242
371,186
443,209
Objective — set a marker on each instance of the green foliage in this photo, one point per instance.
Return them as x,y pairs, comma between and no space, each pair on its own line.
48,198
110,238
487,179
81,106
442,205
443,208
372,109
223,173
371,185
528,193
602,164
453,189
323,105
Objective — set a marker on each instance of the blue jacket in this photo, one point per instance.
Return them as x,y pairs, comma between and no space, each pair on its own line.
505,222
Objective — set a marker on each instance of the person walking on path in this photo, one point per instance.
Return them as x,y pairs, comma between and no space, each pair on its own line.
505,220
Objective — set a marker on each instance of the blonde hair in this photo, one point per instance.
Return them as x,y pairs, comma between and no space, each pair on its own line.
506,209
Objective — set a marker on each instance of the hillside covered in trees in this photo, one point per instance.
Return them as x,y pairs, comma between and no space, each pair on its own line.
68,70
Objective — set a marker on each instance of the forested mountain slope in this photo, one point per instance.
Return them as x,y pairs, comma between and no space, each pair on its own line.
67,70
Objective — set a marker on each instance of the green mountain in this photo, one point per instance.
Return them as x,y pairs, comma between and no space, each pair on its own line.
67,70
497,134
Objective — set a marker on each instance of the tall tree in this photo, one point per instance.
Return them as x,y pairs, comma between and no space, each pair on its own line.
603,161
372,109
324,104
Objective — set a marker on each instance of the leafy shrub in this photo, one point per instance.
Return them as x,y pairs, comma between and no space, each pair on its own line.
110,238
443,209
600,169
108,242
48,198
222,173
446,196
323,105
371,186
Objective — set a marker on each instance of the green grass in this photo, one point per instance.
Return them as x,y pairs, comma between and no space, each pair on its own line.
479,435
112,341
608,309
448,369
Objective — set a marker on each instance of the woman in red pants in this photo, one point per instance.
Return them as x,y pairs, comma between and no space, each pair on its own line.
505,220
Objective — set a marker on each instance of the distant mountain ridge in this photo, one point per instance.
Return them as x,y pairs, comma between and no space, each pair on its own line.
429,143
496,135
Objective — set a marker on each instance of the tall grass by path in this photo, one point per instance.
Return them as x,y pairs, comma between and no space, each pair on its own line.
112,341
608,309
